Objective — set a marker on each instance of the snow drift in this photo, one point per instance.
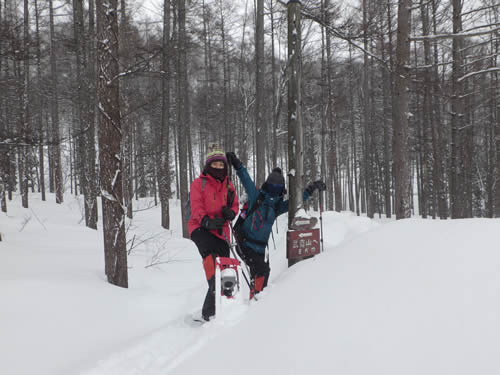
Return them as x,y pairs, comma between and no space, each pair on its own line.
411,297
408,297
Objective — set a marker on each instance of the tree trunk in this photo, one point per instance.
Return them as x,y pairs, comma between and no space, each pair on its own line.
113,214
330,116
4,153
126,59
54,108
276,93
183,113
437,137
24,164
295,136
386,114
164,180
85,114
260,125
39,111
367,122
400,126
92,181
493,208
457,207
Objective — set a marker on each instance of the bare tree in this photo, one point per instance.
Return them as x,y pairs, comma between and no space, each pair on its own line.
39,110
164,168
113,213
4,153
24,164
85,118
183,110
55,149
295,136
400,125
260,126
456,114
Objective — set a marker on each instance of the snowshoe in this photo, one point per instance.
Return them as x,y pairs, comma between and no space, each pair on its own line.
195,319
229,281
228,269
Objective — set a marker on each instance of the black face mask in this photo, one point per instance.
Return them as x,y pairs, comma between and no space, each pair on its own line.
274,190
217,173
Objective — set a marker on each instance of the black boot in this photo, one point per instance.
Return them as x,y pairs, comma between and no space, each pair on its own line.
208,309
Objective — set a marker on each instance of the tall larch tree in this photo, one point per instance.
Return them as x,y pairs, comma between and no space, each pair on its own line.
55,140
113,213
183,119
260,130
164,180
400,125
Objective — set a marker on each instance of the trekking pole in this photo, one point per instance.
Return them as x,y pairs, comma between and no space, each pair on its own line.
321,218
235,257
240,251
274,243
236,244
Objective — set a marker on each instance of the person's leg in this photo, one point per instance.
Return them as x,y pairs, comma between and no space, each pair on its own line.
248,258
209,247
222,248
267,272
262,270
208,308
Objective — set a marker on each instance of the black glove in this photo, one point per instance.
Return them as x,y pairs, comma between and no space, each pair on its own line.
212,224
227,213
319,185
233,160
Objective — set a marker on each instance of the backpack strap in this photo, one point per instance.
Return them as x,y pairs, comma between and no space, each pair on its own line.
231,194
256,205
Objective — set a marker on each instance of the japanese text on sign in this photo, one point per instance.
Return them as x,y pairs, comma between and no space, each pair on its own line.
302,243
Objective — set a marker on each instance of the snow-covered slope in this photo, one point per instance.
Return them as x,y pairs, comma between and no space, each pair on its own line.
412,297
58,314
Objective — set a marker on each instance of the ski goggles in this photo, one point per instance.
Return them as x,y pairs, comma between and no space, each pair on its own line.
274,190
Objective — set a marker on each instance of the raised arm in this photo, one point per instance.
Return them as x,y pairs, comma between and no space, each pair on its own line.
319,185
245,178
283,206
248,184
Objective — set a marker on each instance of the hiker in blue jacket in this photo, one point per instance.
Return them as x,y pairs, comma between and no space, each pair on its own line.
256,220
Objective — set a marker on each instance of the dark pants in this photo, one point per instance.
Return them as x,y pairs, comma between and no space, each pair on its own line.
209,247
259,268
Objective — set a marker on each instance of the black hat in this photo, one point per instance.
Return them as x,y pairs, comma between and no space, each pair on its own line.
275,183
276,177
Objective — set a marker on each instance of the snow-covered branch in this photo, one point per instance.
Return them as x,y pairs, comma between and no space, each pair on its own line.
334,31
472,74
451,36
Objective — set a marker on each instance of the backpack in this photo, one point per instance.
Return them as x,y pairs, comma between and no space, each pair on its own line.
187,205
244,214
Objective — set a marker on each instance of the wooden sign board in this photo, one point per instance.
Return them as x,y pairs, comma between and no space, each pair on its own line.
302,243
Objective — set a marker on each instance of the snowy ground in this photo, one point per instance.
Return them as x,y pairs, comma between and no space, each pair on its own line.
410,297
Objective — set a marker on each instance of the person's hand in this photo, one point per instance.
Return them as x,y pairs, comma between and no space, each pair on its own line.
212,224
233,160
227,213
316,185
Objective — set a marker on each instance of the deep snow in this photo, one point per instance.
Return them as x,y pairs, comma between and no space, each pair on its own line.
407,297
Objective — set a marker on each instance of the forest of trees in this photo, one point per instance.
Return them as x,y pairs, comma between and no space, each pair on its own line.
399,102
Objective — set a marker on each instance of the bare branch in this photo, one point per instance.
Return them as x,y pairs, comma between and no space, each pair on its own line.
339,35
491,70
451,36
